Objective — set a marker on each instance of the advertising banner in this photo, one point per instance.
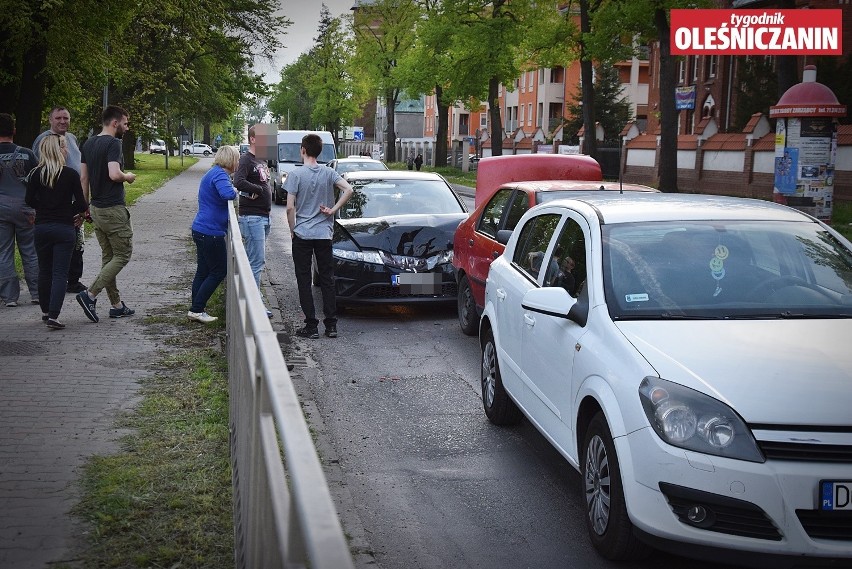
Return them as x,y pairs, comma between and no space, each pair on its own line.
685,97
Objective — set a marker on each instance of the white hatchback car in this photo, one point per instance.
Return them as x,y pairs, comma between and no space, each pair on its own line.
689,355
198,148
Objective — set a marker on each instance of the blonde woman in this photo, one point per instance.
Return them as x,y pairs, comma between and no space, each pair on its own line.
209,230
55,193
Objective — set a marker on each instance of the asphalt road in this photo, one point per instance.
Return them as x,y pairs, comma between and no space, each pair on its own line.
421,478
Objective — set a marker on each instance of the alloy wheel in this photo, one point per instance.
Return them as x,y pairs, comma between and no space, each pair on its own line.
597,485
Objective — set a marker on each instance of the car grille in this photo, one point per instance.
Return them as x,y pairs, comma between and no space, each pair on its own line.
388,291
826,525
804,444
726,515
774,450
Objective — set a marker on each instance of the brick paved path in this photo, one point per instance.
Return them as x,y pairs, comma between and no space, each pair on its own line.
61,391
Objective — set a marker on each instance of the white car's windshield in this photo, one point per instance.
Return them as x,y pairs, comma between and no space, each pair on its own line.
381,198
753,269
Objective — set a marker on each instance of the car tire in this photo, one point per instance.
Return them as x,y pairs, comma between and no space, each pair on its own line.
609,526
206,153
468,316
499,407
186,152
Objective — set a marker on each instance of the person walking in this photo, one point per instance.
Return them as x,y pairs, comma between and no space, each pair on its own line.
16,217
252,181
210,229
418,162
103,179
60,121
55,193
309,191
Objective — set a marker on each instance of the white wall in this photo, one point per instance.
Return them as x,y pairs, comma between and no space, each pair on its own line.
764,162
686,159
641,157
724,160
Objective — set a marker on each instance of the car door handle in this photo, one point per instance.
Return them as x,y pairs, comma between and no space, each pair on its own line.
529,320
495,254
470,242
501,294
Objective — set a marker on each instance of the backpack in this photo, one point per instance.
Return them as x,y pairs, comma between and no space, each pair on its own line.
15,162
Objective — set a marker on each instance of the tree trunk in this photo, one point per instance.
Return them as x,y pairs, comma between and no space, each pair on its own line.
34,78
668,112
128,148
390,133
494,117
590,140
208,139
443,128
786,65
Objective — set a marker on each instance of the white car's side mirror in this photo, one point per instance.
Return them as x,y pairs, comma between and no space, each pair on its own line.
550,300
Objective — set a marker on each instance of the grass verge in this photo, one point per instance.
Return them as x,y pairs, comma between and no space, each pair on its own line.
165,499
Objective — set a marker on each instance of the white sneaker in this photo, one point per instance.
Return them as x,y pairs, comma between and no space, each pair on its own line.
201,317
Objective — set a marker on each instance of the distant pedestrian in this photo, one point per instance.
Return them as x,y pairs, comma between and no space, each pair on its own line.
60,121
103,181
410,162
309,191
418,162
55,192
253,181
210,229
16,217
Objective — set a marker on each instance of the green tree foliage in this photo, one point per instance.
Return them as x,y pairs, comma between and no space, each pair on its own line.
291,103
159,58
332,87
835,73
384,34
756,89
612,109
487,50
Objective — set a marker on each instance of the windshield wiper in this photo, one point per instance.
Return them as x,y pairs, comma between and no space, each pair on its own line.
664,316
785,315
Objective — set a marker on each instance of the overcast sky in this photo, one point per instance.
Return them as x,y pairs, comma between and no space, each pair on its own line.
305,15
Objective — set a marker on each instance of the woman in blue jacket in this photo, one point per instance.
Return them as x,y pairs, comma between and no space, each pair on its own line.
209,230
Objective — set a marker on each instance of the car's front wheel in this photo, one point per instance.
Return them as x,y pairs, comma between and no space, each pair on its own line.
206,153
468,317
186,152
609,526
499,407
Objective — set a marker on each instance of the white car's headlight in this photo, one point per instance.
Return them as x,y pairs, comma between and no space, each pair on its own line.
685,418
360,256
440,259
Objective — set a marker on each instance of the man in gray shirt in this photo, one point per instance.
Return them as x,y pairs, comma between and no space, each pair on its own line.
60,120
309,191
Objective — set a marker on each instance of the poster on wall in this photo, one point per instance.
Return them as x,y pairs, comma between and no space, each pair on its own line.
786,169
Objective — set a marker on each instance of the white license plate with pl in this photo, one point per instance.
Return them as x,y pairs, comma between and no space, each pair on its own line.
835,495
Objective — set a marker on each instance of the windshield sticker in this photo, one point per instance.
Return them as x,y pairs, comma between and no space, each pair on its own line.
636,297
717,267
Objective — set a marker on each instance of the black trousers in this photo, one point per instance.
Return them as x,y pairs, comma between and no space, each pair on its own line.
54,243
303,251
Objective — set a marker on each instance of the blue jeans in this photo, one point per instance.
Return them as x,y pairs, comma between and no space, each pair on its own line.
255,229
15,228
211,270
54,243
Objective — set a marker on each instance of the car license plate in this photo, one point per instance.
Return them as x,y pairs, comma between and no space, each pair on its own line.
835,495
418,283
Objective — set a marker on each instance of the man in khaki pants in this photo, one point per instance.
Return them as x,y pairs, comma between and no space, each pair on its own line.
103,181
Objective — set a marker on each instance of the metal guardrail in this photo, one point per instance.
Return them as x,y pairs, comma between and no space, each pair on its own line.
283,513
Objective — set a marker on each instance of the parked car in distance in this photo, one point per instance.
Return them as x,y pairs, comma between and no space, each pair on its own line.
686,353
393,238
157,146
356,164
243,148
198,148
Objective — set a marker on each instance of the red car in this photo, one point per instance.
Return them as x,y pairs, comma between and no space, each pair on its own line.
476,245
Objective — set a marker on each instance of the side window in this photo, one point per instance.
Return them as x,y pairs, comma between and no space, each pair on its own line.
520,205
533,241
567,264
490,220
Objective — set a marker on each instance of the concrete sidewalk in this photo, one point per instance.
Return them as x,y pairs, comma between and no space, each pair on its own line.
61,391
